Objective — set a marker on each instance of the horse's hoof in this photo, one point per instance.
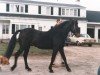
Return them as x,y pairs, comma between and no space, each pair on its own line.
29,69
69,70
12,68
51,71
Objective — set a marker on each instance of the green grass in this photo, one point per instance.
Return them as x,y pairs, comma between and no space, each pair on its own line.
33,50
3,47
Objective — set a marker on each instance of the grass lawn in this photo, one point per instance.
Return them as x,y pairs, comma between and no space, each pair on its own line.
33,50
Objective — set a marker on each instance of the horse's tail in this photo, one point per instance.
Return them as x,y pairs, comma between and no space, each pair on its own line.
11,45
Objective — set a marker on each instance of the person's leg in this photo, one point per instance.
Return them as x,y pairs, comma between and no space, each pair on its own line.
98,71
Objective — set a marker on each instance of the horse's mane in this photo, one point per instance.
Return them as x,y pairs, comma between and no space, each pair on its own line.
61,25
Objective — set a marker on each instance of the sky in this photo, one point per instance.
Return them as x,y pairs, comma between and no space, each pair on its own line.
89,4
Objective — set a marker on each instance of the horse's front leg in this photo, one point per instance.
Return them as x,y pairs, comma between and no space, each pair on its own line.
64,58
52,59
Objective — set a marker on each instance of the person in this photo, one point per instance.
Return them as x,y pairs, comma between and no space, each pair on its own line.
58,21
58,60
98,71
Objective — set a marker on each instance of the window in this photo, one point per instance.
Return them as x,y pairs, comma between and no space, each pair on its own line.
39,9
32,26
51,10
7,7
22,9
67,12
26,8
17,8
13,28
23,26
40,28
59,11
75,12
29,26
63,11
17,27
5,29
71,12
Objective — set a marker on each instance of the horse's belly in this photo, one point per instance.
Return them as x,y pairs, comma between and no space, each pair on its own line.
43,45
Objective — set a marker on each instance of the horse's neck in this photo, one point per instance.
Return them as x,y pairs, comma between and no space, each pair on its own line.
66,31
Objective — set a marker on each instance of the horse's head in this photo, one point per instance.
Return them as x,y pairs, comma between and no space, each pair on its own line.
74,27
69,25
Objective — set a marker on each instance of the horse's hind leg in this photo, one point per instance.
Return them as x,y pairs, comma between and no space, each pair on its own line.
64,58
17,54
25,58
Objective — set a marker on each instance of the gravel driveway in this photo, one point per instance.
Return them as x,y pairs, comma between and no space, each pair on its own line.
82,61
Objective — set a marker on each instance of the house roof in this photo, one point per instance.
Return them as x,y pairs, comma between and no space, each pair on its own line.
39,16
93,16
44,3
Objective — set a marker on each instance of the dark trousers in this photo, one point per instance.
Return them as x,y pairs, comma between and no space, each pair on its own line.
98,71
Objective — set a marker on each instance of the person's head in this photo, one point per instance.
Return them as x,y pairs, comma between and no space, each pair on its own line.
59,19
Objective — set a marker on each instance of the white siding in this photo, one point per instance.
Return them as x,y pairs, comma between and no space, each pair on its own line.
96,33
0,30
37,22
83,27
43,10
2,7
83,13
55,11
33,9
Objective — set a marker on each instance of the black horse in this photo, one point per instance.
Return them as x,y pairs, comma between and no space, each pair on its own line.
52,39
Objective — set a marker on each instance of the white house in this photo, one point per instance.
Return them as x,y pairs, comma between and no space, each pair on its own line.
93,24
20,14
